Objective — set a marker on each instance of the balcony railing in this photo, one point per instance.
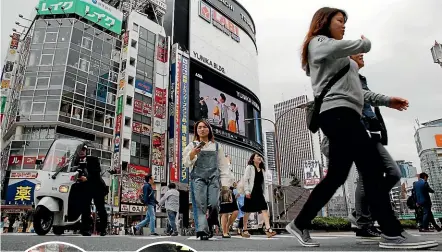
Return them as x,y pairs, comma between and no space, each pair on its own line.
32,137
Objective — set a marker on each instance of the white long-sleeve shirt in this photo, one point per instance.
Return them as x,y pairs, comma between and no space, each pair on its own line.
226,175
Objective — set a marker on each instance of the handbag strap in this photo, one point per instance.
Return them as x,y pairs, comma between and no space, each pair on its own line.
333,80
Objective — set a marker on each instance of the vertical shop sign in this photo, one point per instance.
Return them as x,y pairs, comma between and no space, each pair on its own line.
184,123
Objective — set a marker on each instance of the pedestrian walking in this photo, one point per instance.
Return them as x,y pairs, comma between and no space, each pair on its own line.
325,57
375,126
240,202
423,200
148,195
209,171
229,212
171,200
254,188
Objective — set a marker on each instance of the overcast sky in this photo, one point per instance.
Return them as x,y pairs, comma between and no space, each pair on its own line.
399,64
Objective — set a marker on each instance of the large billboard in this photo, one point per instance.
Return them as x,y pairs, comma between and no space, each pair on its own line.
233,111
95,11
219,38
221,110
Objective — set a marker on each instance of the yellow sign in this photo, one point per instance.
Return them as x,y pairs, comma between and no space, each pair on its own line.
12,51
23,193
5,83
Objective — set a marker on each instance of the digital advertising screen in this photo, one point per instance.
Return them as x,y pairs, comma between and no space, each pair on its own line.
232,110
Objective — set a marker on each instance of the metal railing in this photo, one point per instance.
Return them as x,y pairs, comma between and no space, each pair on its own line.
33,137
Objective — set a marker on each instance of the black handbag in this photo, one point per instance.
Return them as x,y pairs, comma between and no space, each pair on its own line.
314,108
384,134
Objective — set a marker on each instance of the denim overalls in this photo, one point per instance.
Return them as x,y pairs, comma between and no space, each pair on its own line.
205,188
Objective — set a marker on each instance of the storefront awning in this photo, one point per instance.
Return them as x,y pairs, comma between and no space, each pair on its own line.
15,208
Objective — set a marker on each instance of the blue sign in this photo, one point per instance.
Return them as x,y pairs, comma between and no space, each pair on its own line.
144,86
171,107
20,193
184,173
257,126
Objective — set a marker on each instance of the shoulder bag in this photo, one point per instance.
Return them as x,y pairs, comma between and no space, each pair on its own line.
314,108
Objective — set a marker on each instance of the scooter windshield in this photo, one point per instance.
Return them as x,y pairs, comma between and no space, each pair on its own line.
61,154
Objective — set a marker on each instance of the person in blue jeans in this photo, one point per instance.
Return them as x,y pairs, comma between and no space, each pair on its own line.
171,200
150,201
240,201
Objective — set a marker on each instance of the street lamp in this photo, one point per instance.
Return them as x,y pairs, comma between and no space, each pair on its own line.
275,126
21,16
436,52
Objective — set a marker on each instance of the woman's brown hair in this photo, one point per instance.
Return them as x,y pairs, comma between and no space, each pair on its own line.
251,162
319,26
196,137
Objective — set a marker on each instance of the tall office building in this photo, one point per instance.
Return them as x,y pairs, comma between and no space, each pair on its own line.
428,138
296,143
407,169
270,152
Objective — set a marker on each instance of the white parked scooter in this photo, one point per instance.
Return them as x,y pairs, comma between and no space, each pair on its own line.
57,193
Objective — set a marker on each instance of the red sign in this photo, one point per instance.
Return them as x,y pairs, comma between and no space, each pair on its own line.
14,41
162,54
118,124
29,160
138,170
136,127
126,38
21,175
147,109
15,160
145,129
173,173
160,103
138,106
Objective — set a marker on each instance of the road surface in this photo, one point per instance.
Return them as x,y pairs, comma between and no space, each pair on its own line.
329,242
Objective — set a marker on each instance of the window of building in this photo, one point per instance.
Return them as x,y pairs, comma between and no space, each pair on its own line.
135,27
126,143
46,59
77,112
133,43
98,45
130,80
60,57
51,37
38,36
52,107
64,34
80,88
127,121
65,108
132,61
129,100
99,117
83,64
151,37
42,82
25,107
109,121
111,98
56,81
34,57
113,76
86,43
38,108
30,82
88,115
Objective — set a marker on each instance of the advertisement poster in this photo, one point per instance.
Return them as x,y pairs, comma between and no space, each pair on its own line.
173,172
184,122
20,192
143,86
162,49
160,103
14,41
157,173
132,182
311,173
158,151
221,110
177,117
142,108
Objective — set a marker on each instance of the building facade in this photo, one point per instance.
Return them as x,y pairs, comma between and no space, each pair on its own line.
428,140
299,149
218,40
407,169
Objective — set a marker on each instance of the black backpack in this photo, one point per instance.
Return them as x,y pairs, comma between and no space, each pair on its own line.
411,203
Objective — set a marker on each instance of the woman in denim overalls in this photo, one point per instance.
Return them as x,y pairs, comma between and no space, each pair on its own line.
209,169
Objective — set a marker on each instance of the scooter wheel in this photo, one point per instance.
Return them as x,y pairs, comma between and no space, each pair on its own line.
43,219
58,230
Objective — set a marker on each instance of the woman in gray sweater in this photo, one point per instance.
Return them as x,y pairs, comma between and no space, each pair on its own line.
324,54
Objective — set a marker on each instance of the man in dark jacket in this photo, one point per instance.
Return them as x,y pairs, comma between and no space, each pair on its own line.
422,190
150,201
94,189
374,124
